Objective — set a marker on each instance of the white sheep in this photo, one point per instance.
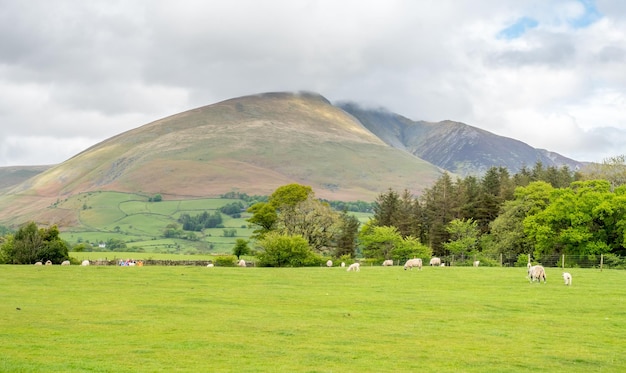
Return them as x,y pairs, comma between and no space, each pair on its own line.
65,263
476,263
354,267
210,265
388,263
435,262
241,263
48,263
343,264
416,262
568,278
38,263
329,263
85,262
537,273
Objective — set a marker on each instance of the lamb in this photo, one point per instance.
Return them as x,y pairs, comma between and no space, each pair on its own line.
388,263
329,263
416,262
241,263
568,278
85,262
343,264
354,267
65,263
435,262
476,263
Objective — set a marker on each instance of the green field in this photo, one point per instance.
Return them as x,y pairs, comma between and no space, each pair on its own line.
140,224
198,319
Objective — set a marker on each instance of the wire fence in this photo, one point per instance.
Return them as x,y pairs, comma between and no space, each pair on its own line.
600,261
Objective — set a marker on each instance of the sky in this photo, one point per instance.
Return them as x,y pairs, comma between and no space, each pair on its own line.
551,73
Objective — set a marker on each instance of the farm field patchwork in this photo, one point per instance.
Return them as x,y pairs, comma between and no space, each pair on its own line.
381,319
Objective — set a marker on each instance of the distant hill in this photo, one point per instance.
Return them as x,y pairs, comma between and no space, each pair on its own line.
14,175
251,144
453,146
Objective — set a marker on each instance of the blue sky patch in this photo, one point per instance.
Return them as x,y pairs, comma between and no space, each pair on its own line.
590,16
518,29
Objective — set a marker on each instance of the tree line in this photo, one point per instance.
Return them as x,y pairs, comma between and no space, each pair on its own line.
539,211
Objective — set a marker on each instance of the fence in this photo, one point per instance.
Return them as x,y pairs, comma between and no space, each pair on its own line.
600,261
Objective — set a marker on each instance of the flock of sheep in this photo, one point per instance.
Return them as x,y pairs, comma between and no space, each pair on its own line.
535,272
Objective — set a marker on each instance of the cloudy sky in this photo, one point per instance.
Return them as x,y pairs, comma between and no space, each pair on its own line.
550,73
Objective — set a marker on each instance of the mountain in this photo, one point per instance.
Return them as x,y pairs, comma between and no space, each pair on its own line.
13,175
453,146
251,144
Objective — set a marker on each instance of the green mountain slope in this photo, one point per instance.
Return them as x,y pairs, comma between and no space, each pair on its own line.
250,144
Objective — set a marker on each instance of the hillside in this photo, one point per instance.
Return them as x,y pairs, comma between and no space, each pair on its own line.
250,144
454,146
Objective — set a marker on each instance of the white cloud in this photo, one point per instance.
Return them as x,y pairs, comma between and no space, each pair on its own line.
75,73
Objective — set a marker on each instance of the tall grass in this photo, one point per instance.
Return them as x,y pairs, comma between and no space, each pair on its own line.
192,319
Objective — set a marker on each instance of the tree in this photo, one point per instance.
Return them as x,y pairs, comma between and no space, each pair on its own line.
463,236
379,241
347,236
278,250
312,219
264,216
241,248
410,247
31,244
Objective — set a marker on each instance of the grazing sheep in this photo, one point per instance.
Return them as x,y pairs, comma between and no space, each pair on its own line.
48,263
242,263
388,263
38,263
210,265
416,262
476,263
343,264
435,262
85,262
65,263
354,267
329,263
568,278
537,273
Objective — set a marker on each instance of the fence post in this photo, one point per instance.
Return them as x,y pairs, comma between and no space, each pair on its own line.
601,261
500,259
528,258
563,261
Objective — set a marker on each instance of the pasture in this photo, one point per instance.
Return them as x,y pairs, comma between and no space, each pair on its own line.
381,319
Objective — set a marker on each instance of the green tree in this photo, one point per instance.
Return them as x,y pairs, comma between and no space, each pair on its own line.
278,250
31,244
410,247
378,242
463,236
241,248
264,216
312,219
346,241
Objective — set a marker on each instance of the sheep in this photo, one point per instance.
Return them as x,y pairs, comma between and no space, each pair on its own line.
65,263
435,262
416,262
388,263
210,265
329,263
241,263
354,267
476,263
85,262
48,263
537,273
568,278
38,263
343,264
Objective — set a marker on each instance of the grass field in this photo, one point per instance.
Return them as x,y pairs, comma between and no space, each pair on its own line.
198,319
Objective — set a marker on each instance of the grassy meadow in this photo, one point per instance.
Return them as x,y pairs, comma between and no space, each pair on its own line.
381,319
139,223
